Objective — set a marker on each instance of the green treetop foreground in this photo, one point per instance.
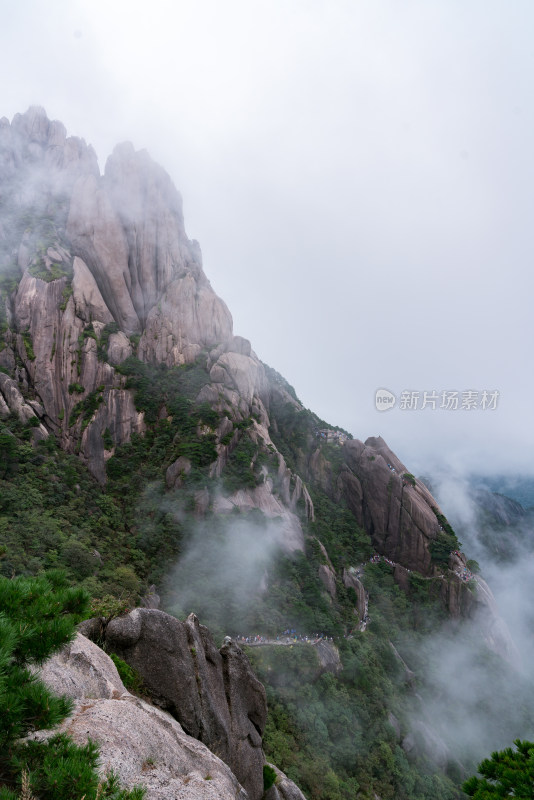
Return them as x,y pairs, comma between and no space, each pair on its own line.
37,617
508,773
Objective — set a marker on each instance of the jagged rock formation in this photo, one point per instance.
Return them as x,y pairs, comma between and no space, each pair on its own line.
106,268
212,693
101,268
141,743
146,745
398,512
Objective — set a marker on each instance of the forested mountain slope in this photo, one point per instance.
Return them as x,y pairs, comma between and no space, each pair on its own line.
149,451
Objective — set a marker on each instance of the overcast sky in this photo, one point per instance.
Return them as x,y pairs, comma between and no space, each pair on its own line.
359,176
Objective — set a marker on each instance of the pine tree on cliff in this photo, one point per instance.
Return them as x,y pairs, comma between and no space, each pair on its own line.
37,617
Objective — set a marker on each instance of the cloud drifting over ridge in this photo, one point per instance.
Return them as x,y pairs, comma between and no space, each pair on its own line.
359,177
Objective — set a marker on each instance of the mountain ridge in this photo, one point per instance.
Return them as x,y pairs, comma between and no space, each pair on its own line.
114,345
112,279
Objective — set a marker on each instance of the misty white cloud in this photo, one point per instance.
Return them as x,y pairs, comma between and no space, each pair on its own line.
359,177
511,575
222,569
475,702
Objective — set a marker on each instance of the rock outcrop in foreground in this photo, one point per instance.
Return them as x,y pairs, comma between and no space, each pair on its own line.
212,693
146,745
141,743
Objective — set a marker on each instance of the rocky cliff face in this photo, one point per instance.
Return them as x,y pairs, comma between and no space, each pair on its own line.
397,511
403,520
97,268
99,260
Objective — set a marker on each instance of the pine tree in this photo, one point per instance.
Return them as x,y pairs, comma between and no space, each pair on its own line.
508,773
37,617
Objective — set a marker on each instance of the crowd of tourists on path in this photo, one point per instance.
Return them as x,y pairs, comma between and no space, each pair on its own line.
464,573
376,558
286,637
291,635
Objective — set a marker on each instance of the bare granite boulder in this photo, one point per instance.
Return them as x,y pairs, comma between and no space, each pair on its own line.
142,744
212,693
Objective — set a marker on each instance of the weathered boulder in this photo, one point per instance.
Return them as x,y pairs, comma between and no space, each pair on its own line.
142,744
13,401
213,694
82,670
328,657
